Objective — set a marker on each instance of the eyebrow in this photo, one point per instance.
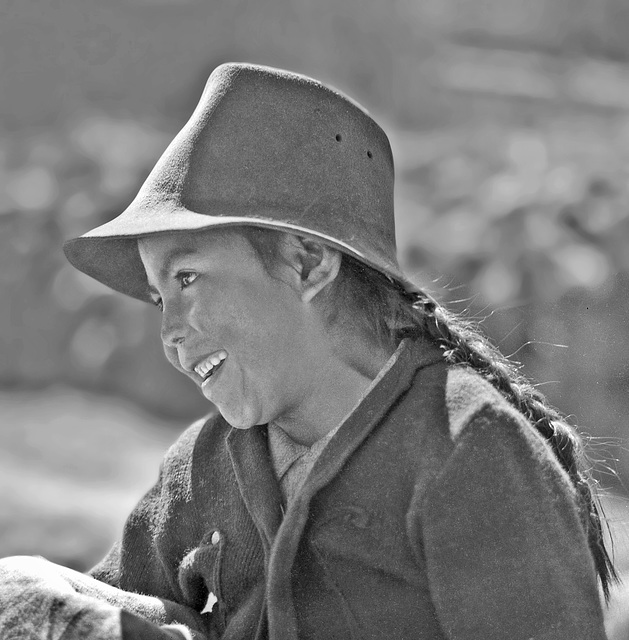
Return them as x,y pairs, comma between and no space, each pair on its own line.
175,254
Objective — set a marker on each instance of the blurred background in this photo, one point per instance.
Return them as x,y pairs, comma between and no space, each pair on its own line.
510,127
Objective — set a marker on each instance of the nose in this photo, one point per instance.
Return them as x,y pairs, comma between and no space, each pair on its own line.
172,330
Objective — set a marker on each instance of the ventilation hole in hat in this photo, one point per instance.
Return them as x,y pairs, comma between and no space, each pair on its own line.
369,155
338,137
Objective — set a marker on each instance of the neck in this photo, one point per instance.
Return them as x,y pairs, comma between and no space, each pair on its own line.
344,374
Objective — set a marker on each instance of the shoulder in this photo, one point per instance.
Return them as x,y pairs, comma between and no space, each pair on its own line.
470,398
201,439
501,512
485,425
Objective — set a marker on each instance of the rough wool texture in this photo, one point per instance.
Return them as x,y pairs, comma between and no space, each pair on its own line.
436,512
37,602
40,600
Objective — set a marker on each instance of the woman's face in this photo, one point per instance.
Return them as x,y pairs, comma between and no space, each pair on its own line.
244,336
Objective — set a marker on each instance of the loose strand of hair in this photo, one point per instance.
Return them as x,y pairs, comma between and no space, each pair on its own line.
395,313
465,345
389,312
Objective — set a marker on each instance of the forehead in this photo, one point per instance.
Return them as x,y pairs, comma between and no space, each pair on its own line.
161,252
197,242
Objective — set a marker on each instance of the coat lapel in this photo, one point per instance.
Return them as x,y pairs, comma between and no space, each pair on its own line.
359,424
258,486
370,412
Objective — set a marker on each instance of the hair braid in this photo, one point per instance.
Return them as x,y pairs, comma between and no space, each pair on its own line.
388,313
463,344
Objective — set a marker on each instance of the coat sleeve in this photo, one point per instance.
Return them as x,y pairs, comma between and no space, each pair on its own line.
505,551
134,562
146,559
139,564
40,600
130,594
133,578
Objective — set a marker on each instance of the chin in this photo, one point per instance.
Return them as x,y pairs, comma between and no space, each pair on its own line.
241,427
239,421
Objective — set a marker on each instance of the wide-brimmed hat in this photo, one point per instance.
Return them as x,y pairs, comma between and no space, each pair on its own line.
266,148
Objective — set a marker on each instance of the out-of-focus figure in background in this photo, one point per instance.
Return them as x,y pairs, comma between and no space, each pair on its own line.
375,467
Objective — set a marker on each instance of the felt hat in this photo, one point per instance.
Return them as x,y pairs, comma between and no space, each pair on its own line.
268,148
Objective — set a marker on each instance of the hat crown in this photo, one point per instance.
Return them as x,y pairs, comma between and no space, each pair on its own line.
263,147
263,143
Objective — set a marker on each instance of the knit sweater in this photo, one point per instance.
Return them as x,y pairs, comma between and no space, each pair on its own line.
435,512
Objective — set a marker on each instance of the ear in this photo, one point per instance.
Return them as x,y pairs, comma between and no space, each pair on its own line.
314,264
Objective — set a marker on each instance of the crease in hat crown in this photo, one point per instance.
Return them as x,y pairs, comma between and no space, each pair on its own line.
264,147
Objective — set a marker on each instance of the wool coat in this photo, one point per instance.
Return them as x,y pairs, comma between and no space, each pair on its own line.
435,512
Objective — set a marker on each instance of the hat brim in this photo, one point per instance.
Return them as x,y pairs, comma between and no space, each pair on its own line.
109,253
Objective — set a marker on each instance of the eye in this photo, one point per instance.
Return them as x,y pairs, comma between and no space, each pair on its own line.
185,278
158,303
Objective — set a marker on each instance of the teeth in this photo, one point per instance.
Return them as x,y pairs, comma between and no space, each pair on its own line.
205,367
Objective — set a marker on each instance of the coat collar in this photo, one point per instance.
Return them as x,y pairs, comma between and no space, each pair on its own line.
413,355
249,452
416,354
258,486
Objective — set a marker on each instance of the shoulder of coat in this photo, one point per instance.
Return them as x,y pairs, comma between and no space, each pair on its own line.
179,461
185,443
468,396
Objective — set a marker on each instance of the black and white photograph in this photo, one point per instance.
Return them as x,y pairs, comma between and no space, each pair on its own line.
315,320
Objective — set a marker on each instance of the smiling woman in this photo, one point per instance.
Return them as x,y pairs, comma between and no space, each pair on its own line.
375,469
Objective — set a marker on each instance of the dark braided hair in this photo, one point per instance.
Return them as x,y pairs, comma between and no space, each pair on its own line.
390,313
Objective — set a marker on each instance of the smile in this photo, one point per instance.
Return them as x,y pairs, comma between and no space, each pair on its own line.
210,365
